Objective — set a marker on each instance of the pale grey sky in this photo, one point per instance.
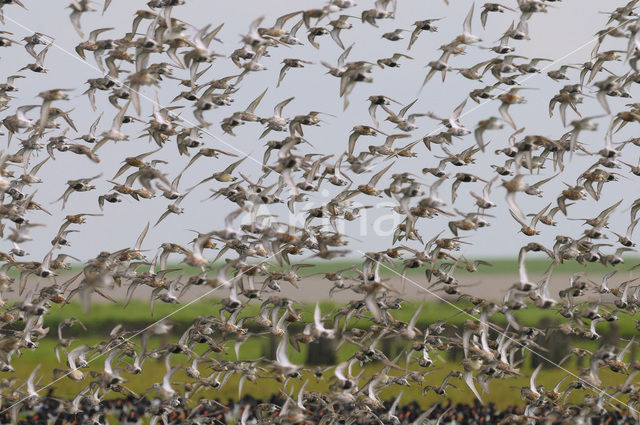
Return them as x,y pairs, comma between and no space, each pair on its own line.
565,33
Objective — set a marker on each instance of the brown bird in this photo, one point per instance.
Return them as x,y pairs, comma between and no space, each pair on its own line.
530,229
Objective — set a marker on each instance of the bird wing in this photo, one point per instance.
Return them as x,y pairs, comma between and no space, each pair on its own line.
466,26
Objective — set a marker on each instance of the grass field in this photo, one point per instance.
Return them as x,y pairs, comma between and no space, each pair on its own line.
499,266
104,315
501,392
136,316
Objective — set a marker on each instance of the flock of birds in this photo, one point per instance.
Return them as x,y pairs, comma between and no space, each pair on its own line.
261,260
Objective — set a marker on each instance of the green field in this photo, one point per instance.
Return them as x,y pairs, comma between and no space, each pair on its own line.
501,391
104,315
136,316
499,266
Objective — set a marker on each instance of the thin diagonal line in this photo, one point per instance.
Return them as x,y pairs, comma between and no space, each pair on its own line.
530,76
189,303
142,95
142,330
500,332
526,78
238,150
206,131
